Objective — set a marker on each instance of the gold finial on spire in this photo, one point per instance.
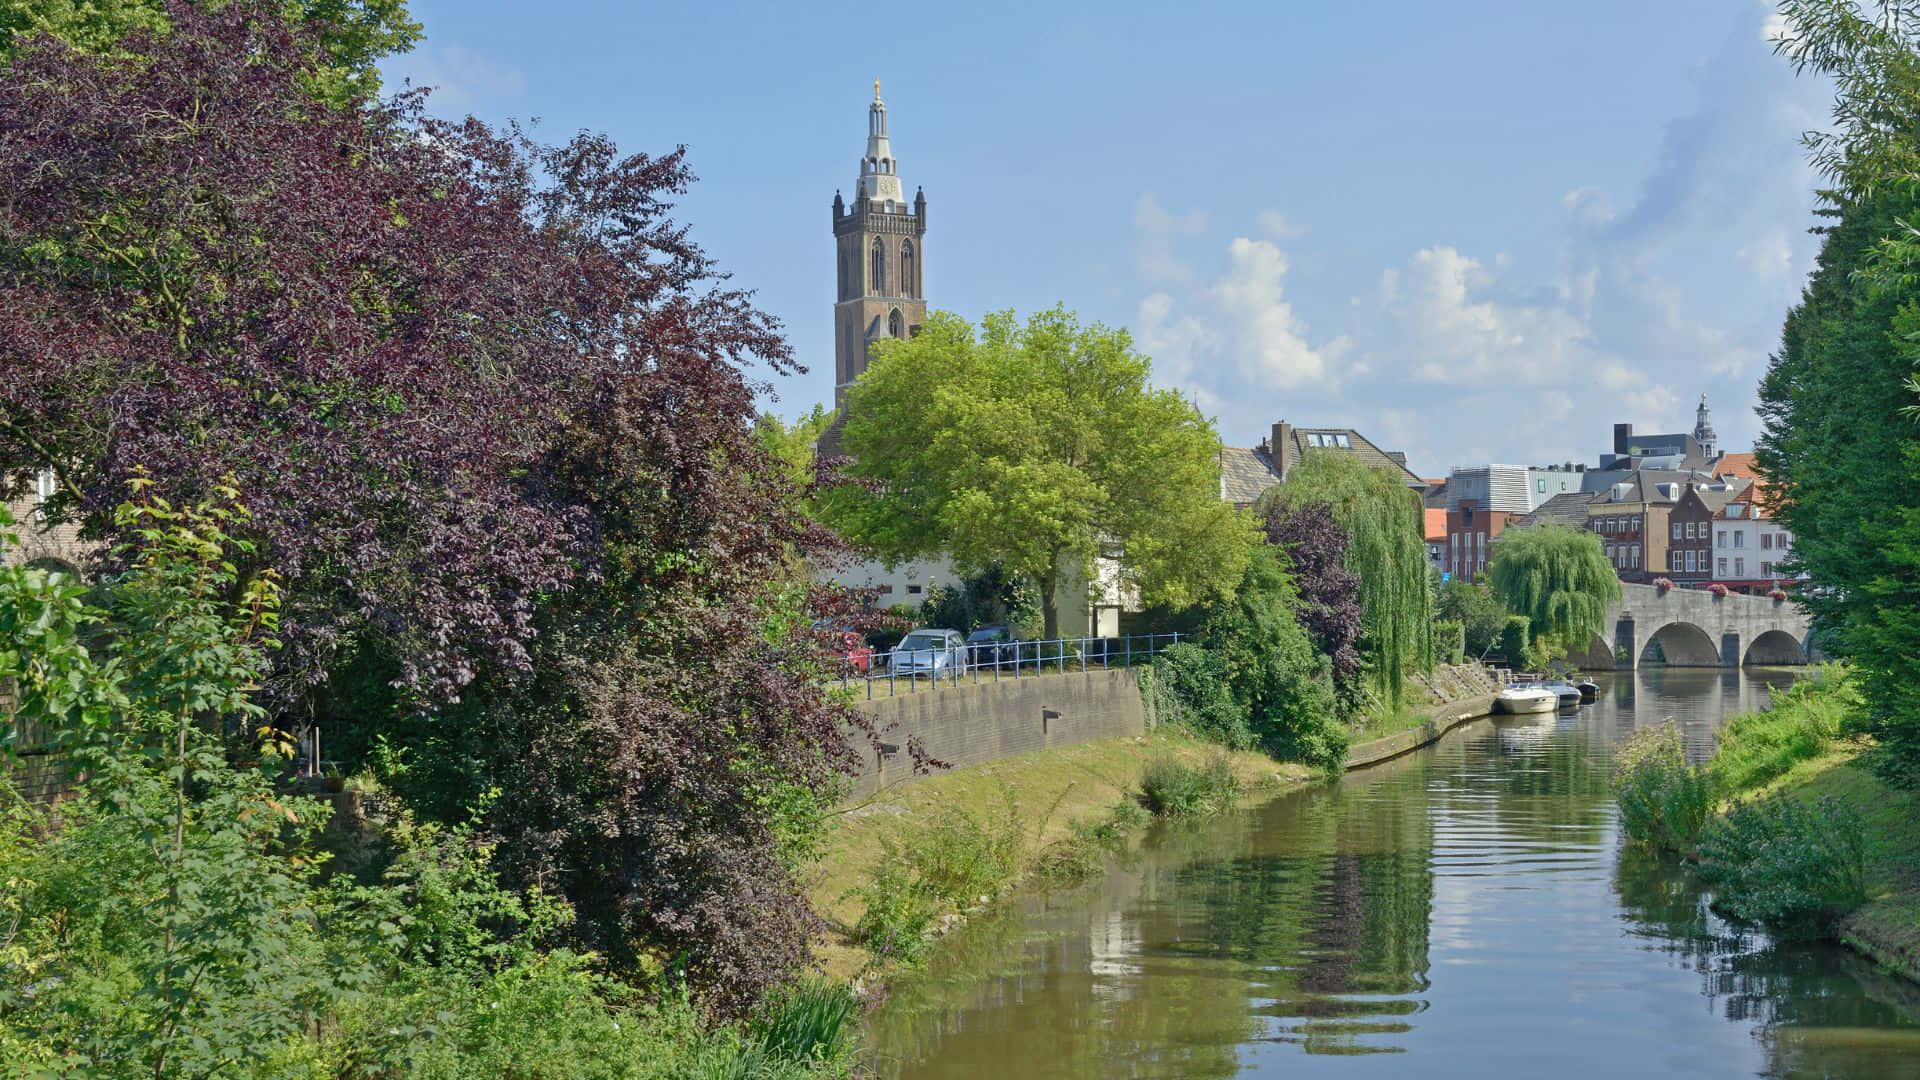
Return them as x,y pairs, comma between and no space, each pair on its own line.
876,89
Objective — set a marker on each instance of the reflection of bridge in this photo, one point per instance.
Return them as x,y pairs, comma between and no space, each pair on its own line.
1694,628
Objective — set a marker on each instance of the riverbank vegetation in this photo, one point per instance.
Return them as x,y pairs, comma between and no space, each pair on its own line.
1783,821
1846,366
505,538
1173,788
1559,581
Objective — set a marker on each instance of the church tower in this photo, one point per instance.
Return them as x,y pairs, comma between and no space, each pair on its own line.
879,247
1703,431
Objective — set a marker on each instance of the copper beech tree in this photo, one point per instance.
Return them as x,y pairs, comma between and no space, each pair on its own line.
488,406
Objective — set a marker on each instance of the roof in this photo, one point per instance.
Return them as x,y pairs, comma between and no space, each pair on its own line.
1346,441
1436,522
1643,486
1566,508
1740,465
1715,501
1245,474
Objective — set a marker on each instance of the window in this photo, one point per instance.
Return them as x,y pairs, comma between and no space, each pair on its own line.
909,286
1739,565
1720,538
1721,564
913,590
878,286
1739,538
1540,486
1690,567
896,326
1766,541
1676,530
1633,556
1766,569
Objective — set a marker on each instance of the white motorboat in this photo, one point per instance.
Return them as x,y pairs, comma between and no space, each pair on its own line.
1526,699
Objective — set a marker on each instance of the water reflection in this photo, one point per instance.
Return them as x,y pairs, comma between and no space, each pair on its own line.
1464,910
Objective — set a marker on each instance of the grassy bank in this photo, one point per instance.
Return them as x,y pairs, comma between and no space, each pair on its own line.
1786,823
1032,810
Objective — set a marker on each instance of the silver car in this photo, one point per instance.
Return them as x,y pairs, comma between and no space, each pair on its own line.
928,652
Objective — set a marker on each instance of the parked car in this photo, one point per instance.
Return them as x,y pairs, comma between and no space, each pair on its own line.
848,647
929,652
993,646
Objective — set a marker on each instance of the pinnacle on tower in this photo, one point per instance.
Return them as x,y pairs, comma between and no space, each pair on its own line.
879,175
1703,430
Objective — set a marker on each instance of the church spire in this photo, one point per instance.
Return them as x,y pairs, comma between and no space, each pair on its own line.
1703,430
879,176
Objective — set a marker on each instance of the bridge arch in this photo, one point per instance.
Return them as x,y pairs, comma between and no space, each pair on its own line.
1596,656
1775,647
1681,644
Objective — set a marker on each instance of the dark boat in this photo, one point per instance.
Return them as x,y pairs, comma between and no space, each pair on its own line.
1569,694
1589,689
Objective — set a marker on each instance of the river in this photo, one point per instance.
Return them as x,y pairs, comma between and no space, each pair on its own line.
1467,910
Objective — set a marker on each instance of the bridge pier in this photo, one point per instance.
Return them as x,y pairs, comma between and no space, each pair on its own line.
1626,646
1730,649
1750,628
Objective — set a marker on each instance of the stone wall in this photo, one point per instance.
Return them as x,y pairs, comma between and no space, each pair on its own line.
980,722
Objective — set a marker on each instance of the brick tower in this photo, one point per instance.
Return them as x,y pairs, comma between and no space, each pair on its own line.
880,250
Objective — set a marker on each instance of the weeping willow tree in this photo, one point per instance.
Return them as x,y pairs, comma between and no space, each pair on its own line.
1386,549
1557,577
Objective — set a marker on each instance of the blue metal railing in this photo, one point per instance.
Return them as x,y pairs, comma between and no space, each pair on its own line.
996,660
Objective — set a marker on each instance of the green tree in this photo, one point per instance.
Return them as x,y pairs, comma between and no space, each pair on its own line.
1386,549
1559,578
1474,607
355,33
1279,682
1038,446
1836,447
793,443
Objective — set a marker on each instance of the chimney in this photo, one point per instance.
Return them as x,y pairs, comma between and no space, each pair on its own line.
1622,438
1282,440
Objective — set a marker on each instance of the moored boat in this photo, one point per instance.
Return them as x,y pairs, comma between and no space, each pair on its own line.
1525,698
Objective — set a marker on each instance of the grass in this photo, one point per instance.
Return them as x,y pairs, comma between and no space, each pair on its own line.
1059,791
1175,788
1801,724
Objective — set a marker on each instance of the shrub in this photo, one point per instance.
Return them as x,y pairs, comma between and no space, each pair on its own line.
1516,643
1191,690
950,861
1081,855
1792,866
1173,788
1663,583
1718,590
1450,641
1664,800
1800,724
810,1022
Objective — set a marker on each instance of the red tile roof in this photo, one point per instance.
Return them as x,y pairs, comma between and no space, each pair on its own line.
1436,522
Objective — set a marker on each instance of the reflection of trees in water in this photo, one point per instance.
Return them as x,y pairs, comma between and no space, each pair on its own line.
1750,978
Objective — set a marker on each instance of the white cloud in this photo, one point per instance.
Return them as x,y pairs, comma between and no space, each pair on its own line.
1269,341
1278,226
460,78
1156,231
1768,256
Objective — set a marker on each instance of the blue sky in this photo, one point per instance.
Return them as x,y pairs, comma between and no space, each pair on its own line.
1479,231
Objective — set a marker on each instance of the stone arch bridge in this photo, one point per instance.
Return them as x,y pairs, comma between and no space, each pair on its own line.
1694,628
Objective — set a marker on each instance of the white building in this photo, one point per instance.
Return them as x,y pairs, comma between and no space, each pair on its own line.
1748,546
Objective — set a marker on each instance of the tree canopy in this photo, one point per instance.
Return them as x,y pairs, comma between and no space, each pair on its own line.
486,403
1386,549
1038,446
1559,578
354,34
1838,449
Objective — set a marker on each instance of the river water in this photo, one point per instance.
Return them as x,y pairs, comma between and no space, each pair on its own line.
1466,910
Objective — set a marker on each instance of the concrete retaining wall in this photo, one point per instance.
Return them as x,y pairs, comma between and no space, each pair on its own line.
968,725
1445,718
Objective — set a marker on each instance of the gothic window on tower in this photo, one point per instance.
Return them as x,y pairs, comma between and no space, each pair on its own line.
896,326
879,268
908,286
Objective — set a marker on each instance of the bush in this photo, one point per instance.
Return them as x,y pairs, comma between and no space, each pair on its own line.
1802,722
1190,690
1792,866
1664,800
1173,788
1450,641
1080,856
951,861
1516,643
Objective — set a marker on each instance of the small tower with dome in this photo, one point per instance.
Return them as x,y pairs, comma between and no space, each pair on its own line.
1703,431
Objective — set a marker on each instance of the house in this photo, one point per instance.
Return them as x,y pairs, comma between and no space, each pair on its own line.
1690,527
1435,520
1471,531
1246,474
44,543
1568,508
1631,518
1748,547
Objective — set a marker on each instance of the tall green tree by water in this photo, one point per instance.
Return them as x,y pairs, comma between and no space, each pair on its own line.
1038,446
1559,578
1838,448
1386,549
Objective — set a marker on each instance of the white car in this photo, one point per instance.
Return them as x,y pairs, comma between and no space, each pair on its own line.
928,652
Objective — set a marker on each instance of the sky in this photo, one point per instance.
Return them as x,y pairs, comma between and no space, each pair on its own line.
1476,232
